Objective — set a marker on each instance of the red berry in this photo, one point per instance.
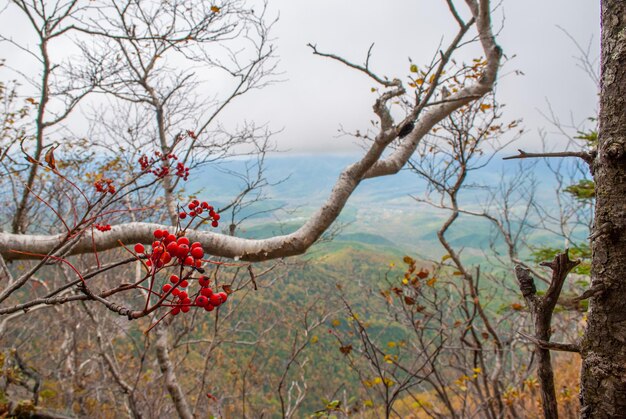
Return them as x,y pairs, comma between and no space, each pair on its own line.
207,292
192,213
182,215
204,281
186,301
176,292
223,296
209,307
198,210
196,244
156,244
158,233
214,223
204,205
195,202
201,301
170,238
172,247
139,248
166,258
197,252
216,217
183,240
191,206
167,288
175,311
174,279
189,261
215,299
185,309
198,263
183,250
184,283
182,295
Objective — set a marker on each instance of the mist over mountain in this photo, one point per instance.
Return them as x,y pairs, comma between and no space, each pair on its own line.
383,211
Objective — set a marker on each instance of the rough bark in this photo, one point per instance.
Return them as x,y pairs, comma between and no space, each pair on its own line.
603,376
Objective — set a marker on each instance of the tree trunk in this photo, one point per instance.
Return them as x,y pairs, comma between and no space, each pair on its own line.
603,375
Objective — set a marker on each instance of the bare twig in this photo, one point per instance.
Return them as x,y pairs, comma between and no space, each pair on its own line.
587,157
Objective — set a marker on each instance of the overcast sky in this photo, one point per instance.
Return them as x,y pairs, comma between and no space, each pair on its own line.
319,95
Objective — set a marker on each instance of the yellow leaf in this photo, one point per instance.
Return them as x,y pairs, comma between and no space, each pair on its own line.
336,322
413,68
419,82
405,281
484,106
373,89
314,339
431,281
368,403
215,9
391,344
445,257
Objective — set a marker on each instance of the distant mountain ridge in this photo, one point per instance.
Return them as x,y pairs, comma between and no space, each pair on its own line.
381,211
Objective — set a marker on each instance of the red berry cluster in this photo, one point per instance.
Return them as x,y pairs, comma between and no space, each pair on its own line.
104,185
160,172
102,227
168,247
182,171
168,250
197,208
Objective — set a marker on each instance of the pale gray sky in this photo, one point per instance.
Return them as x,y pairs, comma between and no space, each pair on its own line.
319,95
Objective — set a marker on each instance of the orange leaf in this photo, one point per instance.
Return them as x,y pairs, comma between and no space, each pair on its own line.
422,274
49,158
346,349
215,9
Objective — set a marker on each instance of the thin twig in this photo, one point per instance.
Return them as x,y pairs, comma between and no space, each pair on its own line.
587,157
552,346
